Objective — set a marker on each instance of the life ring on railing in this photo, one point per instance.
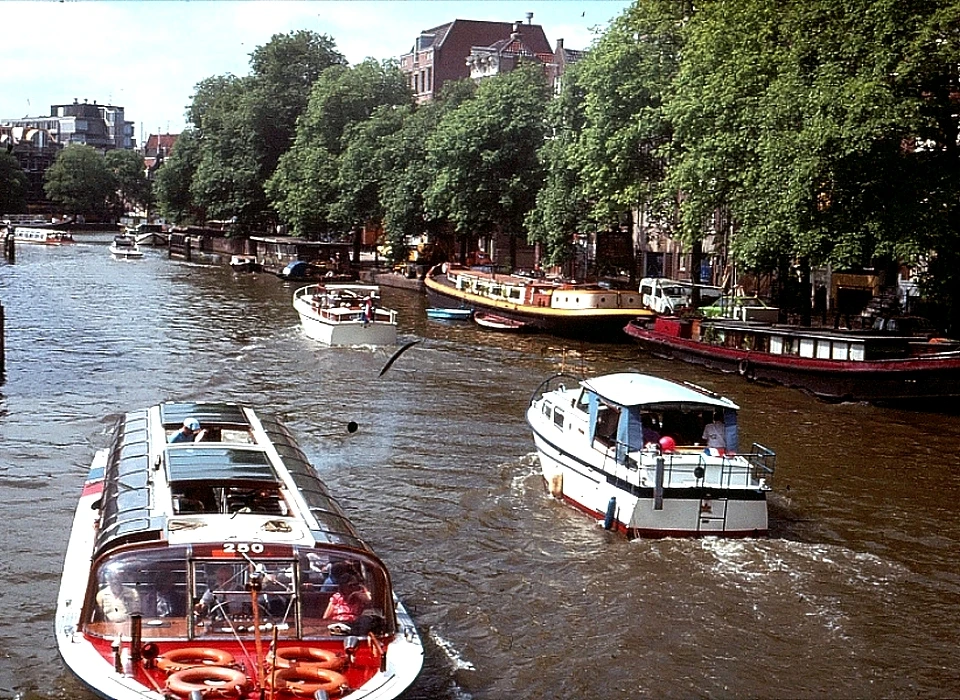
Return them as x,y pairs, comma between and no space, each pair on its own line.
305,681
939,340
211,681
191,657
286,657
745,369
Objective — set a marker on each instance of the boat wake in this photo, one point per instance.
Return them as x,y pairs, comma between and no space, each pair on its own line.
459,663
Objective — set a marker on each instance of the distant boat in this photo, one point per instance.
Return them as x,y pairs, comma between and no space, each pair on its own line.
450,314
245,263
345,314
500,323
125,247
43,236
834,365
572,310
148,234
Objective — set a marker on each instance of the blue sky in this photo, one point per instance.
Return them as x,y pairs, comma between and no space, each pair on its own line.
148,56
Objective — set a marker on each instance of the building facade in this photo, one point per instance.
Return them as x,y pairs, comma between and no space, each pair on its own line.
441,54
100,126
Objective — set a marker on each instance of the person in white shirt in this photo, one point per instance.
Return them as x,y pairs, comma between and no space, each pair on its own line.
715,433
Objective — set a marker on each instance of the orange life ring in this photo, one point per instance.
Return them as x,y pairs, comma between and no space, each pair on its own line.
305,681
191,657
211,681
287,657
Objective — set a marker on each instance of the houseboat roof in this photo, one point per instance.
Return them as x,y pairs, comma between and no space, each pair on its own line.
634,389
248,480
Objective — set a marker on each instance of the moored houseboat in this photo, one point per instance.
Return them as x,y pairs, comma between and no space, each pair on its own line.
42,236
834,365
207,559
587,311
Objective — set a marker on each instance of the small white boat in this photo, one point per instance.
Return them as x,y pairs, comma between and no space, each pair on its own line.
449,314
245,263
43,236
125,247
345,314
500,323
148,234
207,570
628,449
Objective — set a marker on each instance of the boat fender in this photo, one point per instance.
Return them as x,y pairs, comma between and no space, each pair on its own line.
556,485
287,657
305,681
745,369
191,657
608,519
210,681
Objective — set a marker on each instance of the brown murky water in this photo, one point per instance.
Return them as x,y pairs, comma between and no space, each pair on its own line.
856,593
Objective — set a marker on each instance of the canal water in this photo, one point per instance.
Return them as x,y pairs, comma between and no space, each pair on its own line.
855,594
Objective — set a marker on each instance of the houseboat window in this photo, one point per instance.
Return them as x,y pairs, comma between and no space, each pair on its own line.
776,345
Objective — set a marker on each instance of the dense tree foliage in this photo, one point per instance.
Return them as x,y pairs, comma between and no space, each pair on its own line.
307,189
806,133
171,186
484,155
13,185
133,188
80,182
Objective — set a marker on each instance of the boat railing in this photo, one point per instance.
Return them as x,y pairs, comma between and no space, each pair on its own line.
694,466
561,380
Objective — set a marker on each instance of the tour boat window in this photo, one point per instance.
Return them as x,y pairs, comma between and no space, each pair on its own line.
151,583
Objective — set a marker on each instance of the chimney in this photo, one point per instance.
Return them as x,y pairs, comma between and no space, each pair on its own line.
559,44
529,18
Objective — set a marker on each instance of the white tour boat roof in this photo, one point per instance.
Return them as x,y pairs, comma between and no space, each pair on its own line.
635,389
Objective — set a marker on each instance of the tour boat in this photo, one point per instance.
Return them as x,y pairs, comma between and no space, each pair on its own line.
125,247
629,449
834,365
345,314
587,311
206,568
43,236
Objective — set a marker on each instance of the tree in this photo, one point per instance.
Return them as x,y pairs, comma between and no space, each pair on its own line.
305,187
484,155
562,207
133,187
80,182
173,179
245,124
13,185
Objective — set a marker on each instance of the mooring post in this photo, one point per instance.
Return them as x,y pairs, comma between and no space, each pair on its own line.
3,349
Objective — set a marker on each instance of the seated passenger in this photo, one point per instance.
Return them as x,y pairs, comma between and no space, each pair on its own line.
115,601
189,432
347,605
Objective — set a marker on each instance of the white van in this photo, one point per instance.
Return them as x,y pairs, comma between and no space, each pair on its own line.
666,296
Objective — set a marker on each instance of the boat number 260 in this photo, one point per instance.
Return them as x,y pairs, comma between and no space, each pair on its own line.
242,548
